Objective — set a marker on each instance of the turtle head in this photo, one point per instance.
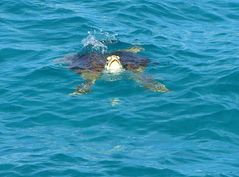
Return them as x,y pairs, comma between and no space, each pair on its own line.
113,64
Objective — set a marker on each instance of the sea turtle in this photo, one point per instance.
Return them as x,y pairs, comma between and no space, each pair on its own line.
91,65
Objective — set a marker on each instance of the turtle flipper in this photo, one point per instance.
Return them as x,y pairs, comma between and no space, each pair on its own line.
156,87
90,78
82,89
149,83
134,49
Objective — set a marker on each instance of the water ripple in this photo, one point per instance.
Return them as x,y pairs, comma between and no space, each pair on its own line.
190,131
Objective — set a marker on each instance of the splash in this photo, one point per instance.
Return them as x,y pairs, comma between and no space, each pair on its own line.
115,101
97,41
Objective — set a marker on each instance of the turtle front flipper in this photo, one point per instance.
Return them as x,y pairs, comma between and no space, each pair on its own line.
149,83
84,88
134,49
90,78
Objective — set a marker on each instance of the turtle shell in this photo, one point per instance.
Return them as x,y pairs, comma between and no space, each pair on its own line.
87,62
95,62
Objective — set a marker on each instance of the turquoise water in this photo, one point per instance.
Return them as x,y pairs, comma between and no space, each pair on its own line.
120,129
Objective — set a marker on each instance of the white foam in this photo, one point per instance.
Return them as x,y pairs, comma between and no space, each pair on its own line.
98,40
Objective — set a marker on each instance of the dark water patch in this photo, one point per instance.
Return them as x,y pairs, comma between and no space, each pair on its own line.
227,119
6,167
142,171
205,134
11,108
67,172
10,173
14,56
66,159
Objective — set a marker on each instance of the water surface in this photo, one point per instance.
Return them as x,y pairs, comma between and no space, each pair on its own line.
191,131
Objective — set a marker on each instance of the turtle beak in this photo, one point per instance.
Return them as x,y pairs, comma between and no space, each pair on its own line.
114,60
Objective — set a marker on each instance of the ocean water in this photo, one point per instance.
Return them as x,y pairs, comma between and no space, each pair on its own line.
120,129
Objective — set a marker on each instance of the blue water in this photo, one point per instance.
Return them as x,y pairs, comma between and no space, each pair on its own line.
120,129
